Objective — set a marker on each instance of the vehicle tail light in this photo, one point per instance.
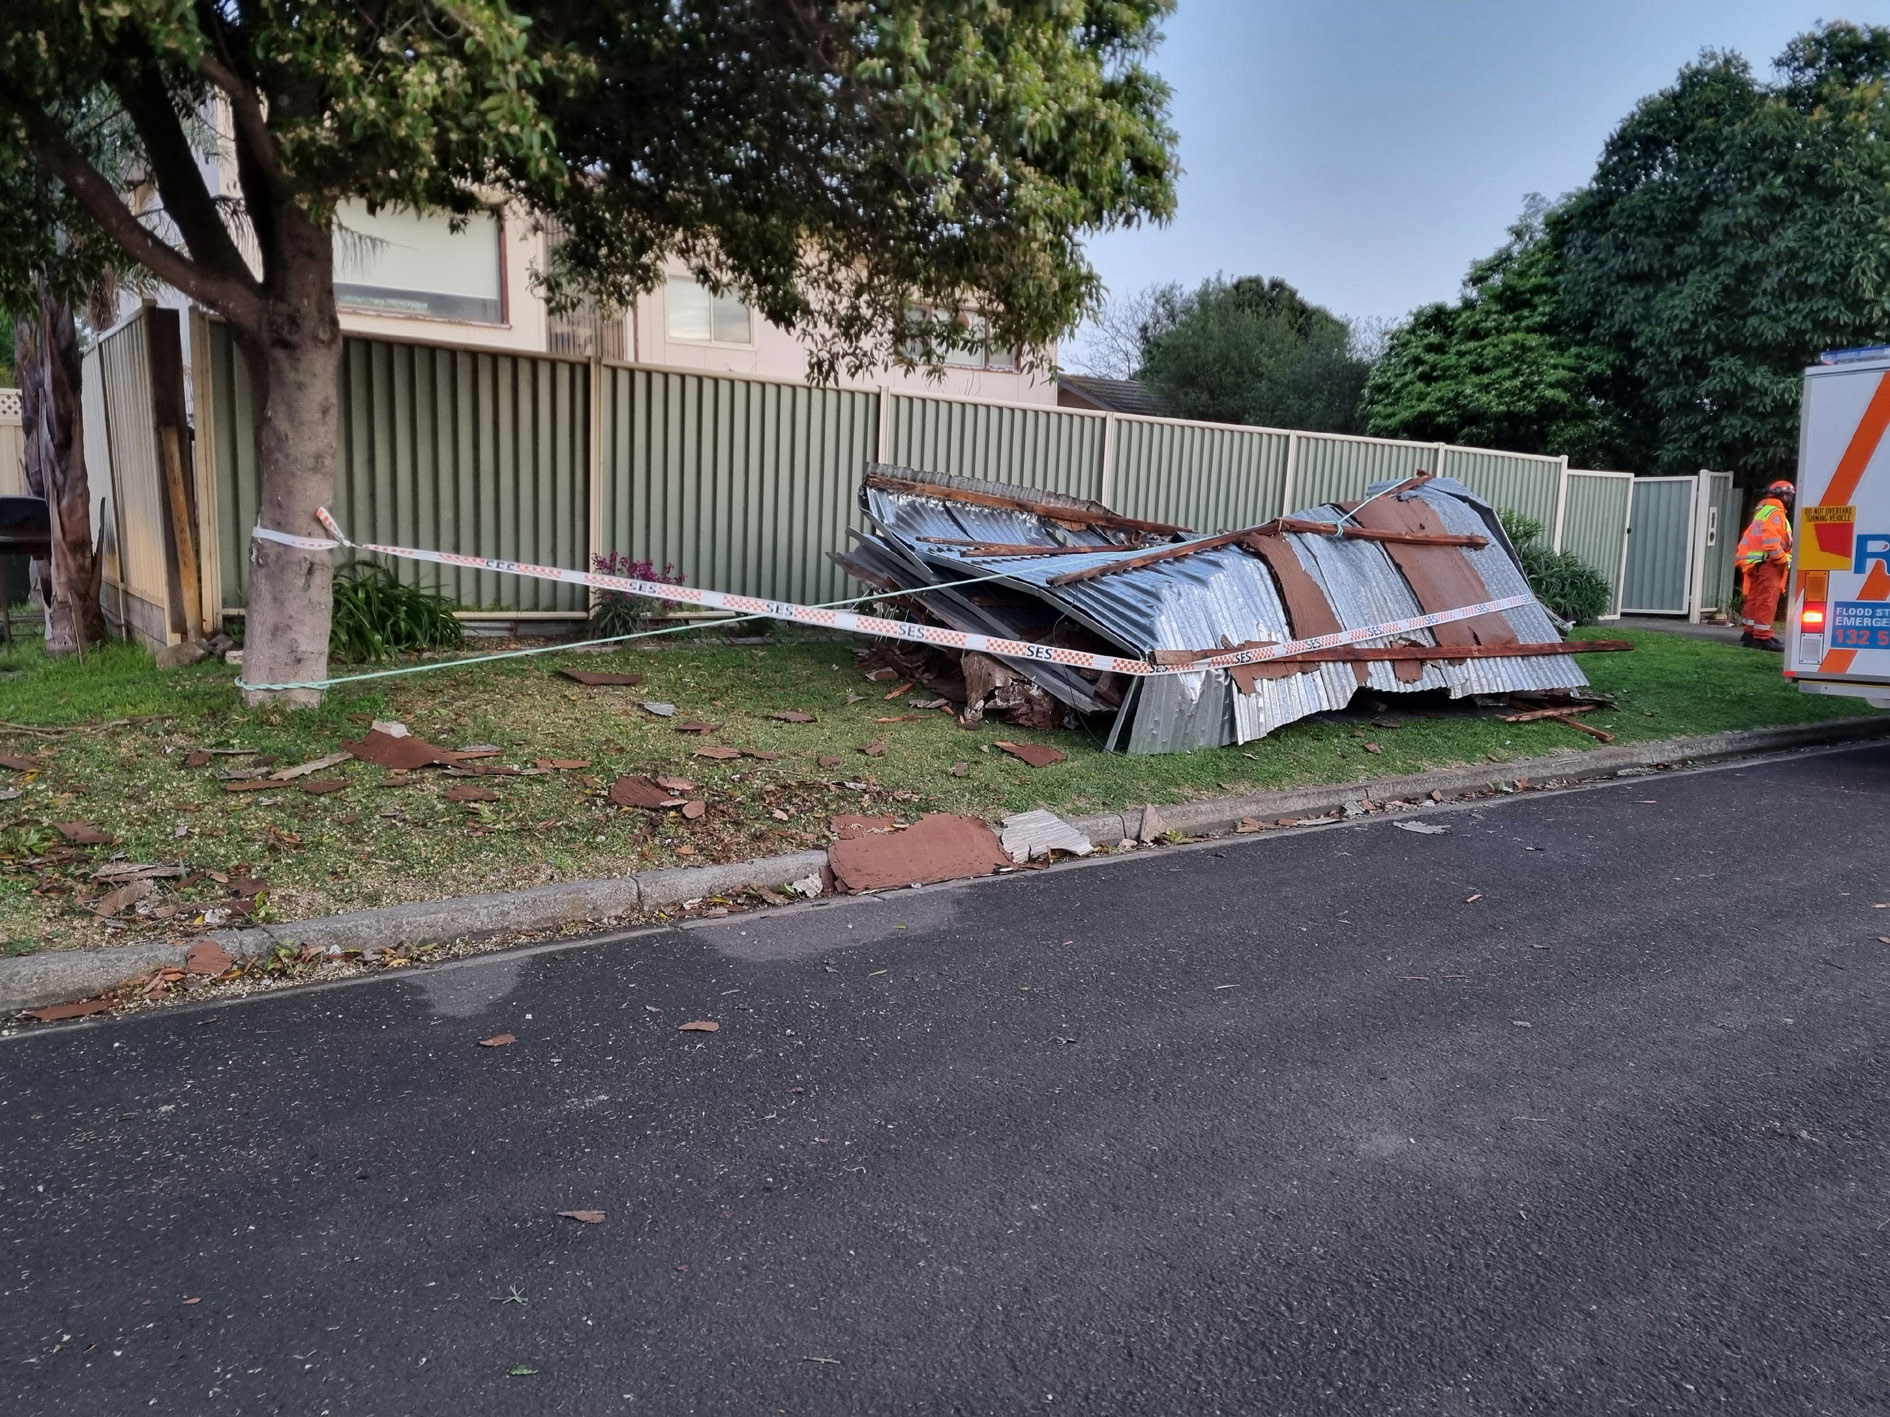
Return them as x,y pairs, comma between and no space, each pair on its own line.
1811,608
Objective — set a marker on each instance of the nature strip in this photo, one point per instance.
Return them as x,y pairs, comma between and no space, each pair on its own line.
833,619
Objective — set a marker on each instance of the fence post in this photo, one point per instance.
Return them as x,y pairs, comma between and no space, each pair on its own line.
1696,546
594,470
1107,483
882,449
204,453
1442,448
1561,503
1292,472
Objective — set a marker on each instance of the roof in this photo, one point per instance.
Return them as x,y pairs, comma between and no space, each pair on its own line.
1111,395
934,528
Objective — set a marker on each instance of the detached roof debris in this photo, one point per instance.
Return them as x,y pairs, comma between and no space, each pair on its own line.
1074,574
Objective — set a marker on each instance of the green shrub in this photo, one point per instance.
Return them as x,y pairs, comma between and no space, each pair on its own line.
377,615
1568,585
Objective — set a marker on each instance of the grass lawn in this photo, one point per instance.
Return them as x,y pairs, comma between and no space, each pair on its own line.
372,843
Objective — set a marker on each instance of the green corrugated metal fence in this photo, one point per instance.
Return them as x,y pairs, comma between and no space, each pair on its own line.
1595,522
741,485
1197,474
746,484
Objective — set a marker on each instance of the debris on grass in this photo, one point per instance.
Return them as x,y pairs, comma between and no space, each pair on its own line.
323,785
716,753
659,710
961,770
402,751
640,792
875,749
792,716
1038,755
313,766
83,834
696,726
467,792
598,679
123,898
847,827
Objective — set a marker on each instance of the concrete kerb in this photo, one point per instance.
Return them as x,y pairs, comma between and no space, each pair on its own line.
32,981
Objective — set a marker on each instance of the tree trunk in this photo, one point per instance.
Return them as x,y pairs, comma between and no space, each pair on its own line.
293,361
73,616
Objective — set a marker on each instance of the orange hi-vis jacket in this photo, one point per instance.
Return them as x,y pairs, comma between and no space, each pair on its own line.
1769,537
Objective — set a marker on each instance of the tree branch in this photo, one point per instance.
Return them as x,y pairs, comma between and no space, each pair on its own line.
251,126
180,182
232,299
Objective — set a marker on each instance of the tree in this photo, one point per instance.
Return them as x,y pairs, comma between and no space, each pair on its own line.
838,163
1734,228
1503,367
46,354
1252,351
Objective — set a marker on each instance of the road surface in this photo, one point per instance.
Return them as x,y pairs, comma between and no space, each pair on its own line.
1578,1107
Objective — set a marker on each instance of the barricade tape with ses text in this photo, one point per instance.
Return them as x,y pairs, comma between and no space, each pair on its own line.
834,619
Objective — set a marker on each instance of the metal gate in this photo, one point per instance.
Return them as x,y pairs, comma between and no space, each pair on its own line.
1681,534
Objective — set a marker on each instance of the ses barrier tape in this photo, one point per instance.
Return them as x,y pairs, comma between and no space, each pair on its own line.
832,619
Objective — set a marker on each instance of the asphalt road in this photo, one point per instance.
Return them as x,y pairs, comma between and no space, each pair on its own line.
1578,1108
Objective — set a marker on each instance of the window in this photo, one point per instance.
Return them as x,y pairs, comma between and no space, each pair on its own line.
980,354
402,262
698,314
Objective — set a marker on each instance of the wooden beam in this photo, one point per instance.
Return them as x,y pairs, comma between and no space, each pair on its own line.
1365,533
1074,516
1150,558
1348,654
982,550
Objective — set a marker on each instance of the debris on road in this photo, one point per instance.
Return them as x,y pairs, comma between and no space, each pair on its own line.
498,1040
699,1026
588,1217
1030,836
1422,828
937,847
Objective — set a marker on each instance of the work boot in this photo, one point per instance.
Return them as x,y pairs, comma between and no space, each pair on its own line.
1769,642
1746,639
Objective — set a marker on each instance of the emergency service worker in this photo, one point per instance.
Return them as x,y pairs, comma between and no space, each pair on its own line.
1765,556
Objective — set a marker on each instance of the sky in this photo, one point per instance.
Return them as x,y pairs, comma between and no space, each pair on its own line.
1367,151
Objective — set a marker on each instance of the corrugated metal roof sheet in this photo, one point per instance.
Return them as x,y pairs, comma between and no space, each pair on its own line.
1219,596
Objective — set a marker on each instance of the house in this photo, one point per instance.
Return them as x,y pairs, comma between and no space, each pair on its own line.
1102,395
410,275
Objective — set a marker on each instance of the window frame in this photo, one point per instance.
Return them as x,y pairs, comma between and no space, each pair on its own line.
502,230
671,280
